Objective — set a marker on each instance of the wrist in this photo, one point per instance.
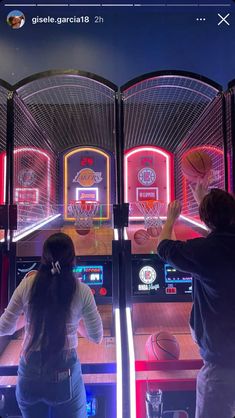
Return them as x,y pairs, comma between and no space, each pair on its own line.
170,222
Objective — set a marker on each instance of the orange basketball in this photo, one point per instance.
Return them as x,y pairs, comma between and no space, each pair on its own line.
82,231
195,165
141,236
154,231
162,346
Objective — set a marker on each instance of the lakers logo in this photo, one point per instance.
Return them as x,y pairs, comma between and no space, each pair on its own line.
87,177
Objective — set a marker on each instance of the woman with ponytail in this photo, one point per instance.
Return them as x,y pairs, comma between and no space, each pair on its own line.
50,383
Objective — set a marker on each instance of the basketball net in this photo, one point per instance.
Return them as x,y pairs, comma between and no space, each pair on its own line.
151,210
83,211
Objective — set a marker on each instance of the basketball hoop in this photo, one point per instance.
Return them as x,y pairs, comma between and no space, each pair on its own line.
83,211
151,210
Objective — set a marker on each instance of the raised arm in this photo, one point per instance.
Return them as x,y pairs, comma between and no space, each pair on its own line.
173,212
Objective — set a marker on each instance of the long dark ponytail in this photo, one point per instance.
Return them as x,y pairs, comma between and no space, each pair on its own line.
51,296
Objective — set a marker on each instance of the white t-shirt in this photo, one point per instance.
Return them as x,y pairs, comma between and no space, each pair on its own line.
83,306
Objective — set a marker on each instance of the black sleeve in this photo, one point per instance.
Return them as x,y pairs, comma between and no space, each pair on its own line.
182,255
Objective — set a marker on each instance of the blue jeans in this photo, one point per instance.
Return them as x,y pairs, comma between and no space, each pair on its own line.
215,392
47,391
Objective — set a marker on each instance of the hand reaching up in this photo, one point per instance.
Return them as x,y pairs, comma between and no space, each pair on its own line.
200,190
173,211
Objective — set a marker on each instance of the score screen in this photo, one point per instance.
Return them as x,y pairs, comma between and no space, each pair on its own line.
91,275
175,276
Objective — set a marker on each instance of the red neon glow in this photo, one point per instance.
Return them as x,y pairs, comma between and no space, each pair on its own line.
148,161
2,178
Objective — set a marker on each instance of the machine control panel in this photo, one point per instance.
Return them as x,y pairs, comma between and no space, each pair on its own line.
96,273
151,277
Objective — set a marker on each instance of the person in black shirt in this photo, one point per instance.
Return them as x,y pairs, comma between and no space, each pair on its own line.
211,261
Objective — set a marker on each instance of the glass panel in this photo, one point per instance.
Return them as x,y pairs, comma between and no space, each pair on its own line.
90,232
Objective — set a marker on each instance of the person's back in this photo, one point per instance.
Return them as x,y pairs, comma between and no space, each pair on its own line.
53,302
213,312
211,261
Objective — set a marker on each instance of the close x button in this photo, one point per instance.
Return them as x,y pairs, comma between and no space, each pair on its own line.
223,19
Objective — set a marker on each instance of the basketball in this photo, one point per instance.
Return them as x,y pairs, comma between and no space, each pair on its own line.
195,165
141,236
82,231
162,346
154,231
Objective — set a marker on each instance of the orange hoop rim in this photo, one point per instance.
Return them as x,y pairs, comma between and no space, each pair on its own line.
150,202
84,203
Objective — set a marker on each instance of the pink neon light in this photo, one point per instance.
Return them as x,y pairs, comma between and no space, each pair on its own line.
168,166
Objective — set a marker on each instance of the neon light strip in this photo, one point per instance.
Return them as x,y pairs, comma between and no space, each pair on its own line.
119,400
35,227
196,223
65,166
4,178
115,232
138,218
125,233
132,364
152,149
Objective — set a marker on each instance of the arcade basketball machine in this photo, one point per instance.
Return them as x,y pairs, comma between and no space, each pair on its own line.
5,214
63,179
170,121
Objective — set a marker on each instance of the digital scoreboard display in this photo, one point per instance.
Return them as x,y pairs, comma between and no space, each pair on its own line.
153,278
177,282
91,275
175,276
97,275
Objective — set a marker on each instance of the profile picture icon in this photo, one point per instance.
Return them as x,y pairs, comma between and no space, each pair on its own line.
16,19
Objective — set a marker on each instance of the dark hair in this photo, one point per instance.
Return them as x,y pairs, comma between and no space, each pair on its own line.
217,210
11,18
51,296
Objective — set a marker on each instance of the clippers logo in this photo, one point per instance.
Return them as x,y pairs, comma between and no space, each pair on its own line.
87,177
147,275
26,177
146,176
